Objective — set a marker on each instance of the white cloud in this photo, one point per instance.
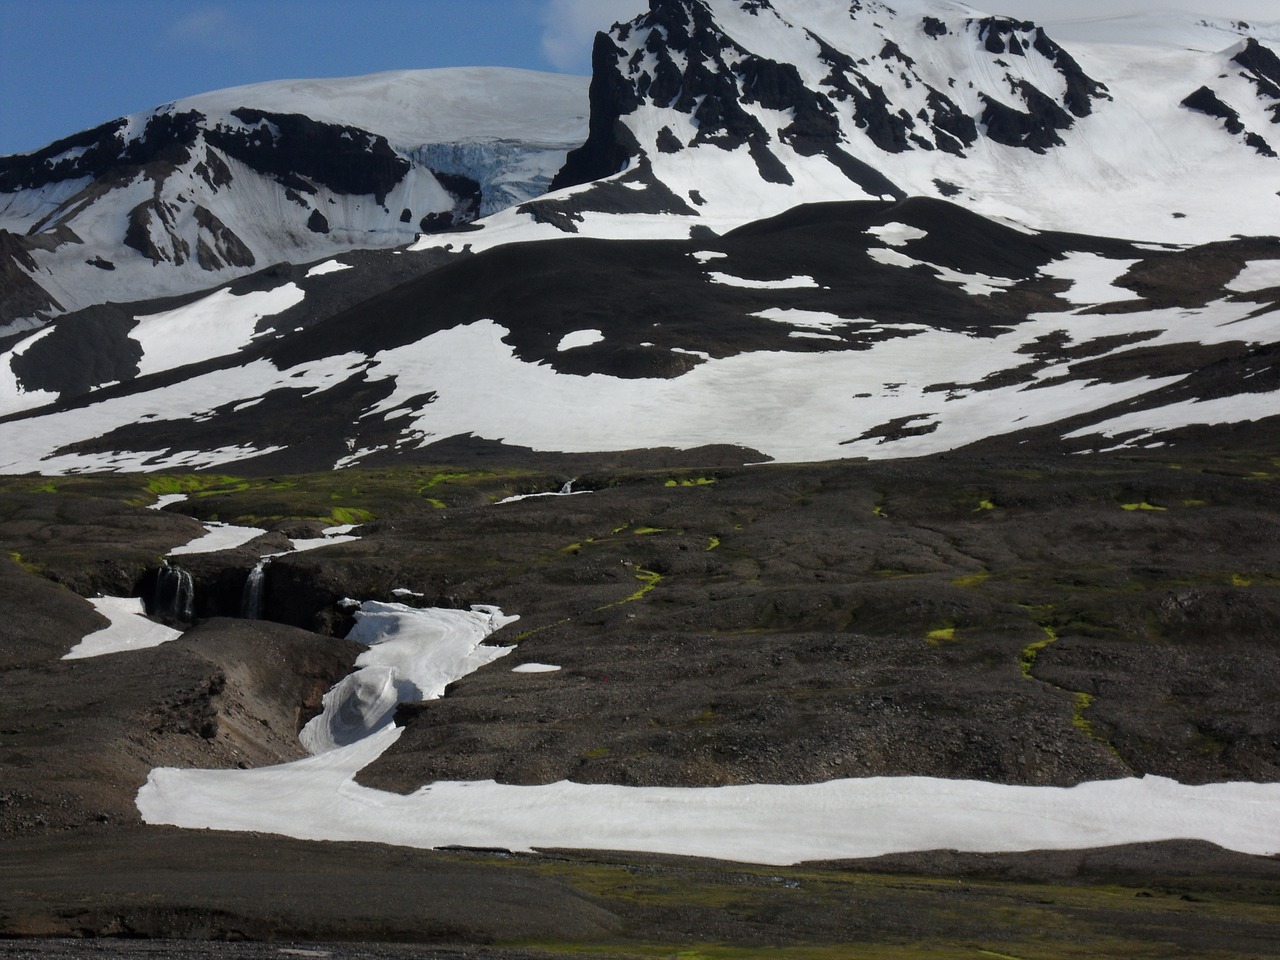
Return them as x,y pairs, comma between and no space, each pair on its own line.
211,28
570,26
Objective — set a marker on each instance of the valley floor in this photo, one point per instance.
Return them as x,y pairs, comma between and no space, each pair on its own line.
1031,619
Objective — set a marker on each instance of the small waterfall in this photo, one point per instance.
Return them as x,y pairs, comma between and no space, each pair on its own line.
174,594
251,598
568,487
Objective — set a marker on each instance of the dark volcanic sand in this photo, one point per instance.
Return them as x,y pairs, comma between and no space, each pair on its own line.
1029,621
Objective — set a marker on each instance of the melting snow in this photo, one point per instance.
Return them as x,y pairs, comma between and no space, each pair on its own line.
218,536
1243,406
791,283
129,630
413,655
974,284
535,668
897,234
213,326
806,318
1257,275
416,653
329,266
13,396
1092,278
165,499
579,338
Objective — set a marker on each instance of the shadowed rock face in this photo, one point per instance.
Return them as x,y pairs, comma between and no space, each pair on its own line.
343,158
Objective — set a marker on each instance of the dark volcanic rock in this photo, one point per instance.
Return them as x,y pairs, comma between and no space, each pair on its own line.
84,734
167,138
1206,101
345,159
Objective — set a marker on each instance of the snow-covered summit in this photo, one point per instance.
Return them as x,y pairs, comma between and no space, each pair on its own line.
721,111
804,229
204,189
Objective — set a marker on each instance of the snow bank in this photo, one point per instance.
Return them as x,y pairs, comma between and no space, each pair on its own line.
218,536
130,629
414,654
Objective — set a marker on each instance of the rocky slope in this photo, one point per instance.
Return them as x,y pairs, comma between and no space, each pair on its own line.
807,231
199,191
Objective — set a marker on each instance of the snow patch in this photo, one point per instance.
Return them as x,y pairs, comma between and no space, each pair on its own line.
1092,278
579,338
218,536
129,630
213,326
974,284
790,283
165,499
897,234
1256,275
329,266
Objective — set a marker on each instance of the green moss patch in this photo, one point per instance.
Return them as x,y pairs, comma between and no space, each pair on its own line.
940,635
972,579
1031,652
649,579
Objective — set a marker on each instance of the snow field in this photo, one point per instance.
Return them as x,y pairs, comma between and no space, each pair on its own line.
214,326
129,630
416,653
483,388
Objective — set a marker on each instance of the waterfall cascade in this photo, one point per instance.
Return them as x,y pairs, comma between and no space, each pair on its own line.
252,597
174,594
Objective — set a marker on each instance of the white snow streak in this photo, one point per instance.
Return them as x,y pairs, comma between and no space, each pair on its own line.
329,266
218,536
129,630
579,338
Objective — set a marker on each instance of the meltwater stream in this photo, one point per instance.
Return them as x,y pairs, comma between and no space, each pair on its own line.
174,596
252,596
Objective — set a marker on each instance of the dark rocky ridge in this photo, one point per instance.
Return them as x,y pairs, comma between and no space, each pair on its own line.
654,303
291,146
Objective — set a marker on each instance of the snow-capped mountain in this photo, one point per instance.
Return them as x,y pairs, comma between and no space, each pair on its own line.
807,230
1157,128
202,190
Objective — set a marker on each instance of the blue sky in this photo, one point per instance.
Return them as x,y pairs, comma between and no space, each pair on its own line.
70,64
